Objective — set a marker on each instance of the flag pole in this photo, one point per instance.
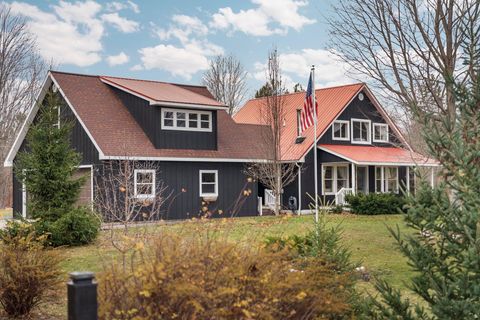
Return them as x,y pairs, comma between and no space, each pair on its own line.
314,101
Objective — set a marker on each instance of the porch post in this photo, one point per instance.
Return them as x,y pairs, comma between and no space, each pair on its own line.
432,177
354,179
407,180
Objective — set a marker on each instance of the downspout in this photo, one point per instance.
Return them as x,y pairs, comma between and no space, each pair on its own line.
299,188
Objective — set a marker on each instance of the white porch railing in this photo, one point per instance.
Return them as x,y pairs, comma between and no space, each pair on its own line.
269,199
341,194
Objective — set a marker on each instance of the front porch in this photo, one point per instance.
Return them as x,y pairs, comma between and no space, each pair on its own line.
360,169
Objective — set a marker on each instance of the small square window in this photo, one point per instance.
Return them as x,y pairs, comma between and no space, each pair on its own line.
341,130
208,183
144,183
361,131
380,132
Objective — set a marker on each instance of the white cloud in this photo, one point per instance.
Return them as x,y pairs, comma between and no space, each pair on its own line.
117,6
118,59
186,58
122,24
70,34
178,61
258,21
329,69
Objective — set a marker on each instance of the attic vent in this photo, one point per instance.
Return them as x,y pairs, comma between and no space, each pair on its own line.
361,96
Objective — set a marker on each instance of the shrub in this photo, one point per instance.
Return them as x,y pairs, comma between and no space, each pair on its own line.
18,229
207,278
376,203
29,273
77,227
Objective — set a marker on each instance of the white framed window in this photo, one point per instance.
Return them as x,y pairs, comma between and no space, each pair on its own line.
208,183
334,178
361,131
144,183
386,179
341,130
380,132
188,120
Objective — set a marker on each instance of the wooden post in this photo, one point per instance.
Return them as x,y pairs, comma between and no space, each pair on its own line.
82,296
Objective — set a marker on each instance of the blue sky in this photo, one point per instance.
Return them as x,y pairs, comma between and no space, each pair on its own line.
174,40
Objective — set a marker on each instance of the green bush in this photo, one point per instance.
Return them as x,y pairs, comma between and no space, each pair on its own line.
77,227
376,203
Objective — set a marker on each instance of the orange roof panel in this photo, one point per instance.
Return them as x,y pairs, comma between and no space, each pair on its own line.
378,155
164,92
331,102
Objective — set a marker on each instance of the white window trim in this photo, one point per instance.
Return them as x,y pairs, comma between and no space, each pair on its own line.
348,130
334,165
215,194
187,113
144,196
383,183
380,125
369,131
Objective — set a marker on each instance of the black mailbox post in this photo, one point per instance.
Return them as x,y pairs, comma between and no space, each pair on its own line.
82,296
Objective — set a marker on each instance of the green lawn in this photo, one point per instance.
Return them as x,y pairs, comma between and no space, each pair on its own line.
366,236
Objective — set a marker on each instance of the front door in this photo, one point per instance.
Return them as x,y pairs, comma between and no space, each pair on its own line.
362,179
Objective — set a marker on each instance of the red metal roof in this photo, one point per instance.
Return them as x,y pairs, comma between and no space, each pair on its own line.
378,155
117,133
331,102
164,92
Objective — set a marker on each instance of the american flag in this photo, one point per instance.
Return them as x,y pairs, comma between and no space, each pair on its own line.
307,116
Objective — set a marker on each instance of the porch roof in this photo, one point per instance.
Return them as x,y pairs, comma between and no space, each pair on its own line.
371,155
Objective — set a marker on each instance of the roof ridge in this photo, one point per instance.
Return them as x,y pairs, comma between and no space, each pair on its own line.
156,81
318,89
74,73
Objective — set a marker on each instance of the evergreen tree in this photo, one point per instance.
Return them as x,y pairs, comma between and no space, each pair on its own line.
47,165
445,248
264,91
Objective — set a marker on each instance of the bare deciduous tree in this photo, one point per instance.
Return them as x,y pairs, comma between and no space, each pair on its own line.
411,49
274,174
21,73
226,81
127,192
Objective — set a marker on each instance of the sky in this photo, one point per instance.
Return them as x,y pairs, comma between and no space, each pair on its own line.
173,41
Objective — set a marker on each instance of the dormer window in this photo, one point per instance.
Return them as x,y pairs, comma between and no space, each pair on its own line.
187,120
380,132
361,131
341,130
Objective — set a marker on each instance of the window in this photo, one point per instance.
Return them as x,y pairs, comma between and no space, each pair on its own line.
386,179
341,130
188,120
208,183
361,130
144,186
334,178
380,132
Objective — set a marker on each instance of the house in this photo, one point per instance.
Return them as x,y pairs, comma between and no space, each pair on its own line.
201,151
359,148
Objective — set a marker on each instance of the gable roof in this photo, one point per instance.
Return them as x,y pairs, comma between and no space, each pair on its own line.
331,103
116,134
157,92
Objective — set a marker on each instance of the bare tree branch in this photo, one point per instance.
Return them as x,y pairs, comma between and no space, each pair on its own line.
21,73
226,81
273,174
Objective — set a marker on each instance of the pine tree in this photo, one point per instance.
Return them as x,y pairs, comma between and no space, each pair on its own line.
445,248
48,164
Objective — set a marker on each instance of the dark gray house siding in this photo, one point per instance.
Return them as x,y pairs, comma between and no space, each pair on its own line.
360,110
79,141
150,119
